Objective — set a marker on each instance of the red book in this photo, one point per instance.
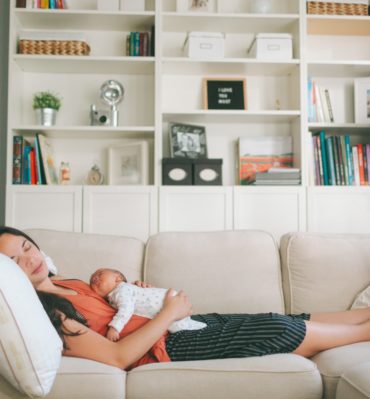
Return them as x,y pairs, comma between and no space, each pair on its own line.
361,164
33,167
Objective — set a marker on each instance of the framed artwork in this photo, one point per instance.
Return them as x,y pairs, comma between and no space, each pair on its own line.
362,100
195,5
188,141
128,163
225,93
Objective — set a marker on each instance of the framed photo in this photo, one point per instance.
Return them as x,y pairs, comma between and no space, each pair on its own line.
225,93
195,5
128,163
362,100
188,141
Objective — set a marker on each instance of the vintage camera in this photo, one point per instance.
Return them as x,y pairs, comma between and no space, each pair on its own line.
100,117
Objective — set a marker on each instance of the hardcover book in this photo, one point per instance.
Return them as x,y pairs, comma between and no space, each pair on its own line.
47,160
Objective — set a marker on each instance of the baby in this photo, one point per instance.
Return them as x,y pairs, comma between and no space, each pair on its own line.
130,299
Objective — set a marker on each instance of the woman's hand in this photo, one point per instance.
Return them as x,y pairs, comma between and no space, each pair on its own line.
177,306
142,284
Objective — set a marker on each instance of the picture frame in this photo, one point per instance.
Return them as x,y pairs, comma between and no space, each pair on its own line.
362,100
128,163
195,5
187,141
225,93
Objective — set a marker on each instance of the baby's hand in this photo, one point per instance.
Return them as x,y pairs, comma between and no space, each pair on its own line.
113,334
142,284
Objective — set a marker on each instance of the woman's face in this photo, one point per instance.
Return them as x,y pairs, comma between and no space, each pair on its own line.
26,255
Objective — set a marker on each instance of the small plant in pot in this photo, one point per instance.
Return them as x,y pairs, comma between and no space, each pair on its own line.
46,105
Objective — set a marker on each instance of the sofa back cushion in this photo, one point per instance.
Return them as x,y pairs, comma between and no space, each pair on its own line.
324,272
77,255
228,271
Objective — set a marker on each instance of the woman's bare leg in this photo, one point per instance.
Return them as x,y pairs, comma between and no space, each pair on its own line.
354,316
322,336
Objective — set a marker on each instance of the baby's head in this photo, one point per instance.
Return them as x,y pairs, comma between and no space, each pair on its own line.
104,280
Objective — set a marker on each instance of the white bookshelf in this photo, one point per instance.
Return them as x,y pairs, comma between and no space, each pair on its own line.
334,50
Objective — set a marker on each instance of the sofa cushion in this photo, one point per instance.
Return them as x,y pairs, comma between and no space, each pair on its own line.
274,376
355,383
362,300
30,348
77,255
316,266
334,362
227,271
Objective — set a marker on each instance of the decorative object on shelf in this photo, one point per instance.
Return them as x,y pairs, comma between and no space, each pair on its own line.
95,177
225,93
46,105
188,141
351,7
205,45
259,154
128,163
362,100
111,92
177,171
64,173
132,5
53,43
207,172
108,5
260,6
271,46
194,5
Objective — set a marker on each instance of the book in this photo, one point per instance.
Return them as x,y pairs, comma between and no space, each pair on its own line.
365,164
324,160
356,165
336,160
349,159
17,159
330,158
47,160
361,164
316,161
259,154
368,161
26,163
330,108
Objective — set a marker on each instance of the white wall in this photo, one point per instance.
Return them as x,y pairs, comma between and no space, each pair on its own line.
4,40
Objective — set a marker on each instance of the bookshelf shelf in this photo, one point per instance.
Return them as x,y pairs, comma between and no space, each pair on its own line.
354,68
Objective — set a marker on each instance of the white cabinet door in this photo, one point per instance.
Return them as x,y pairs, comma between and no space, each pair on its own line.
338,209
121,210
277,210
46,207
194,208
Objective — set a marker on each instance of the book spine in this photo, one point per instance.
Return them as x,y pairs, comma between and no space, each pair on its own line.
330,157
145,44
20,4
316,160
344,160
330,108
52,4
324,105
336,160
26,171
33,176
44,4
349,160
132,43
137,43
310,101
319,109
141,44
152,41
320,161
41,160
128,42
361,164
324,159
340,162
17,159
365,165
355,165
368,161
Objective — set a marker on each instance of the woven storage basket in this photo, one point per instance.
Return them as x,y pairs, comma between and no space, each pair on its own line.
53,47
332,8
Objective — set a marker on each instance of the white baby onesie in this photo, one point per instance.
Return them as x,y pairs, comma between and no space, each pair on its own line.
130,299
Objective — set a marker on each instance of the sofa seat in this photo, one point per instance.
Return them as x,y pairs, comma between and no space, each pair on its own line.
335,362
355,383
274,376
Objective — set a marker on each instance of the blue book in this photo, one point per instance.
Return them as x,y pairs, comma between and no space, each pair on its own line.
52,4
26,164
330,158
349,160
324,158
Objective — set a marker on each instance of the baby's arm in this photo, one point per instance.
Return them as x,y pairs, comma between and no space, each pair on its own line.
123,300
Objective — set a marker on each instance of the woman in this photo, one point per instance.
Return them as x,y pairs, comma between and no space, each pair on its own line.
226,335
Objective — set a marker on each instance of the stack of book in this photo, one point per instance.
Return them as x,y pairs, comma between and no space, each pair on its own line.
319,104
279,177
140,44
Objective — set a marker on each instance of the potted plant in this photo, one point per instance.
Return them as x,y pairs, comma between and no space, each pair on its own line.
46,105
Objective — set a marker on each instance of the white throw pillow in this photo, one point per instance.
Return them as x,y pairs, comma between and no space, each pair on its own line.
30,349
50,264
362,300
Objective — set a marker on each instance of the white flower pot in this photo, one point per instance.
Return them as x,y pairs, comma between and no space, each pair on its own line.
46,116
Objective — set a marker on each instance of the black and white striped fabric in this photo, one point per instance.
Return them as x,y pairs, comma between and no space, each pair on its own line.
238,335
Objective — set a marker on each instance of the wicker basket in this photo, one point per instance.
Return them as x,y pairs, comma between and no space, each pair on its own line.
332,8
53,47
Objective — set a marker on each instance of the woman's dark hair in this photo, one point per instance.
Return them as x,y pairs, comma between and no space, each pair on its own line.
19,233
55,307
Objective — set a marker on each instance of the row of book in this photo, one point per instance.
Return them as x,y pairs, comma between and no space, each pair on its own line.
45,4
338,163
319,104
33,163
140,44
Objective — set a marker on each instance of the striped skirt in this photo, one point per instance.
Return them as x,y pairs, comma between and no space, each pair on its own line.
238,335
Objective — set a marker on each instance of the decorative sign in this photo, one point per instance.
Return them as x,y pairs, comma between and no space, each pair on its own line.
226,93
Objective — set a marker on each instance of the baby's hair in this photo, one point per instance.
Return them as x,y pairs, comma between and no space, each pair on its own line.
122,276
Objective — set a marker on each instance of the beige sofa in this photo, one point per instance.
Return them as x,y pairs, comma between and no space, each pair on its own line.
238,271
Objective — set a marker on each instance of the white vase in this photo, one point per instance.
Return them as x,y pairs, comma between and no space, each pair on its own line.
260,6
46,116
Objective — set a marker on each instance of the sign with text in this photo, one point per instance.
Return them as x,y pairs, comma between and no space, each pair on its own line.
225,93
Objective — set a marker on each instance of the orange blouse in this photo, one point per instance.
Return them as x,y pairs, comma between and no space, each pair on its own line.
99,313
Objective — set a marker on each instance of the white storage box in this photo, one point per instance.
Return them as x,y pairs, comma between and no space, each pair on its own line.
205,45
272,46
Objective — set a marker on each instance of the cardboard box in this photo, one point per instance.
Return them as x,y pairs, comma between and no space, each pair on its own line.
205,45
177,171
207,172
271,46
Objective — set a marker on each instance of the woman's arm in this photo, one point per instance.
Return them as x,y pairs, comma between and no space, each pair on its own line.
123,353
